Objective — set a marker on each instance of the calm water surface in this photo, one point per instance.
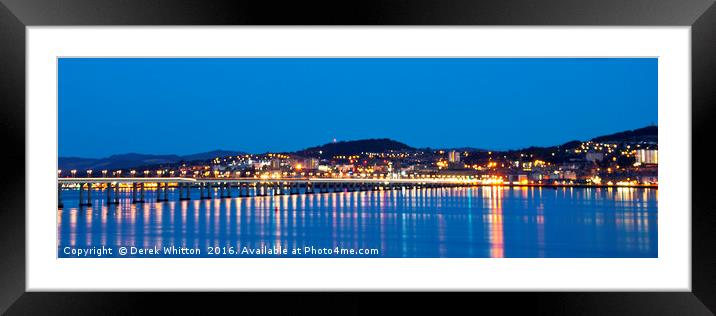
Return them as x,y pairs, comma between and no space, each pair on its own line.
447,222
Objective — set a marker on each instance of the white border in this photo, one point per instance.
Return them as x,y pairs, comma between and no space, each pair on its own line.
671,271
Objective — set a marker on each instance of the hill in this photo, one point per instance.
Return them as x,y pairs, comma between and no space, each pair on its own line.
465,149
211,155
354,147
644,134
132,160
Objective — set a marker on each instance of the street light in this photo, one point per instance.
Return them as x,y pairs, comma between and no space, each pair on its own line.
89,173
59,172
104,173
73,172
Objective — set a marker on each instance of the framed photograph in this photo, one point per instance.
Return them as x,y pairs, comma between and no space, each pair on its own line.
558,150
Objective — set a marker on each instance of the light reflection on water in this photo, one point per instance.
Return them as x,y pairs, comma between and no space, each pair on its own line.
450,222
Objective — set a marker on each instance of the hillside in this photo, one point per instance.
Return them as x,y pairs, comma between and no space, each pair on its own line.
354,147
645,134
133,160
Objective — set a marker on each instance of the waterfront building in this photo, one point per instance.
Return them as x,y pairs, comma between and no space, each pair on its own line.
518,178
275,164
454,156
649,178
647,156
310,163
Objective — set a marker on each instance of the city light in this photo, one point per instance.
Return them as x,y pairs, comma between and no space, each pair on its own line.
585,164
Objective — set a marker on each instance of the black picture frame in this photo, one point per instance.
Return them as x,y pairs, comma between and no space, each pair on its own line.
15,15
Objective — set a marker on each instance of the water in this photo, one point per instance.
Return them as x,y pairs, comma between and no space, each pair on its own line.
426,223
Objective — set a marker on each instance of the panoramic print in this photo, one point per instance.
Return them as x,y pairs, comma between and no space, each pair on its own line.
357,158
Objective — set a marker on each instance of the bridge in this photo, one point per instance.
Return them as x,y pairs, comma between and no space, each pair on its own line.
210,188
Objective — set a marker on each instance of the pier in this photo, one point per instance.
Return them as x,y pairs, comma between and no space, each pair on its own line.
221,188
218,188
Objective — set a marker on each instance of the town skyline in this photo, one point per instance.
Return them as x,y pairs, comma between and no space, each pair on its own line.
625,158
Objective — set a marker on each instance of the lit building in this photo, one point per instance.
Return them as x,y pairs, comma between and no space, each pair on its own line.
518,178
569,175
275,164
594,156
647,156
346,168
310,163
454,156
653,179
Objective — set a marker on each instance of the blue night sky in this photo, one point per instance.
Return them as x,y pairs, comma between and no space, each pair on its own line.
182,106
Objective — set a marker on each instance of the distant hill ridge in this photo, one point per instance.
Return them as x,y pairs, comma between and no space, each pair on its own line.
354,147
131,160
649,133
